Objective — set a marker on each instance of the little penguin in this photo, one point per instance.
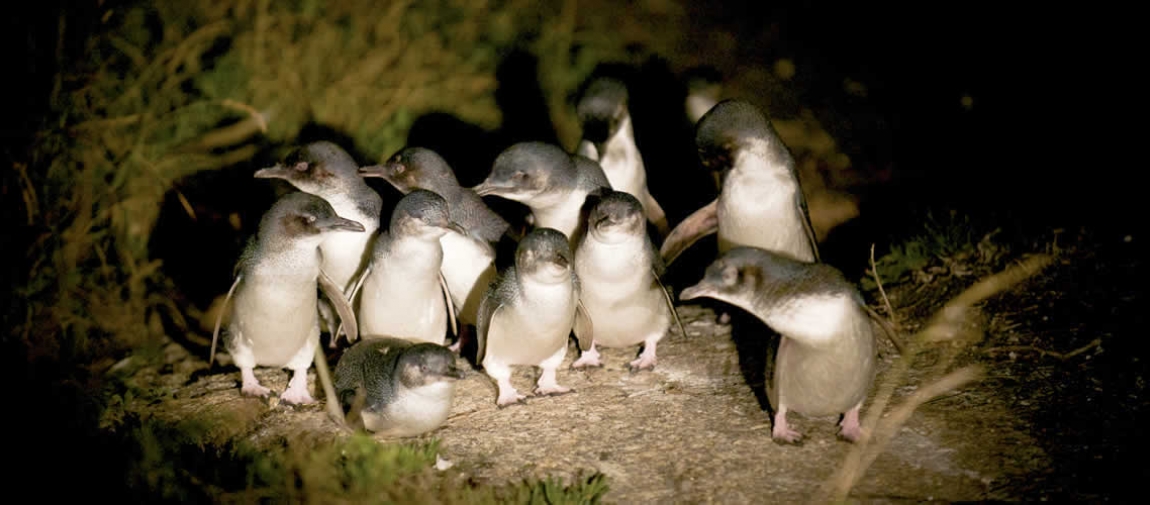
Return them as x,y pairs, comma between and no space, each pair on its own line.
400,292
528,314
406,388
326,170
419,168
761,203
606,121
551,182
618,270
275,322
826,359
704,87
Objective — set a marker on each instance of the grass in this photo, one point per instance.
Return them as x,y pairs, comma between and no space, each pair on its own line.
952,244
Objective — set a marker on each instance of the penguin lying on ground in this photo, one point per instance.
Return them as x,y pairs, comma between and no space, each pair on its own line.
395,387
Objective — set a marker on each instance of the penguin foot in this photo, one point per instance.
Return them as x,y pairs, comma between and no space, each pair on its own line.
455,348
251,385
589,359
783,434
552,390
298,396
788,437
850,430
646,359
255,390
511,398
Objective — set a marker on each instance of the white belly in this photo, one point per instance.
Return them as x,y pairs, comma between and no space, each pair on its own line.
414,412
468,268
536,329
274,316
343,255
402,304
564,216
767,216
624,301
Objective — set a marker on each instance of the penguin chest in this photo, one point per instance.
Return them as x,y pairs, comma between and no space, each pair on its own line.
536,328
623,167
829,377
413,411
564,215
467,269
273,317
403,301
344,253
762,211
621,296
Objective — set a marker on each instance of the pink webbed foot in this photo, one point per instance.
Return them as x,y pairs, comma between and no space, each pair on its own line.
251,385
646,359
589,358
850,430
296,393
783,434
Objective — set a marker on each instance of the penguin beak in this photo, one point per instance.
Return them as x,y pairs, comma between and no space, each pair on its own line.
273,172
699,290
373,171
339,223
486,188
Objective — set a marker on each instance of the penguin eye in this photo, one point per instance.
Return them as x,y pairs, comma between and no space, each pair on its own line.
519,176
423,368
310,218
301,166
730,275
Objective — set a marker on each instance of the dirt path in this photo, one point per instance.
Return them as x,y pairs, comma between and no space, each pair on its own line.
690,431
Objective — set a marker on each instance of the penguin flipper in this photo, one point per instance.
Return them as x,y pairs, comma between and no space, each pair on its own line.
584,330
451,321
346,316
809,228
220,318
351,300
487,312
670,302
703,222
656,215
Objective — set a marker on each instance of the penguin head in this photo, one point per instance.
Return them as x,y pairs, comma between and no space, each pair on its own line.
747,275
301,215
425,364
729,126
414,168
527,169
422,213
545,255
616,216
319,168
602,110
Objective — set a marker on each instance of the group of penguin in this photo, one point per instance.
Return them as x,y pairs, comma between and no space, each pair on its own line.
588,266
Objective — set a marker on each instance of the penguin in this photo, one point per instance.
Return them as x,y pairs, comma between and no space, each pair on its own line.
419,168
404,388
761,203
552,183
618,270
274,321
528,313
326,170
825,363
609,138
401,292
